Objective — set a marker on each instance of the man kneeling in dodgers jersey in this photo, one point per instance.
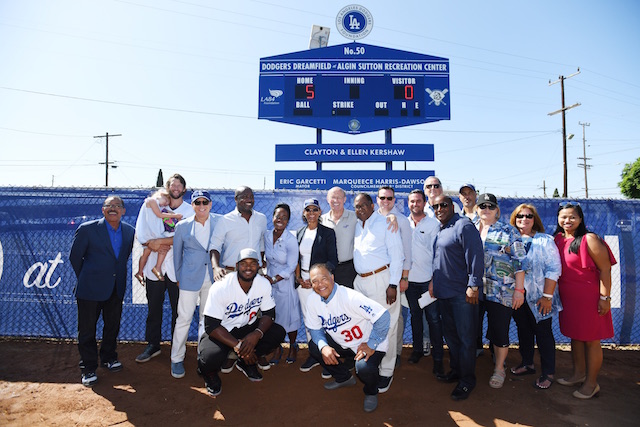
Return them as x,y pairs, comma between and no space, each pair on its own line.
345,324
231,322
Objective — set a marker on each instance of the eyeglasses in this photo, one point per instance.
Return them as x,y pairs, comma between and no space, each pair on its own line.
201,202
110,206
442,205
528,216
430,186
487,206
385,198
564,205
314,210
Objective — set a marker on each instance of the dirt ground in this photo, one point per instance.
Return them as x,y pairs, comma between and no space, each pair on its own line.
40,385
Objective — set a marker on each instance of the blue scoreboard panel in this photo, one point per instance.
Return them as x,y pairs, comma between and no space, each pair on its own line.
354,88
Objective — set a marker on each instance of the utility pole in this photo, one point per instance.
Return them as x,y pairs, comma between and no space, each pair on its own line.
106,159
544,189
584,159
561,79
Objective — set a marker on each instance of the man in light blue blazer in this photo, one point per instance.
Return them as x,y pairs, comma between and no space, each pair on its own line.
193,271
99,256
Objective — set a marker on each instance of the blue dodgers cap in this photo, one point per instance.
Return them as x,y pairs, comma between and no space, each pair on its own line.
200,194
467,185
247,253
311,202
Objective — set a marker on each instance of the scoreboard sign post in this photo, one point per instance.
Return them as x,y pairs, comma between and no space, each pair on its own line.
354,88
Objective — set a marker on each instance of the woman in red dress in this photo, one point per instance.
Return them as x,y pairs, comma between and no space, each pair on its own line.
585,289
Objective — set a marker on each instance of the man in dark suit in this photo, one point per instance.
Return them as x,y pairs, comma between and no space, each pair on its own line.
99,256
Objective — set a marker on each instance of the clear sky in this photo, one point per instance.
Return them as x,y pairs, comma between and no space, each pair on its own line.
179,81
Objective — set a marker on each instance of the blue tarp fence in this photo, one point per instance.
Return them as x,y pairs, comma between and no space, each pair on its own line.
37,281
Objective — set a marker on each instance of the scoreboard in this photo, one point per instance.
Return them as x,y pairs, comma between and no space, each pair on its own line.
354,88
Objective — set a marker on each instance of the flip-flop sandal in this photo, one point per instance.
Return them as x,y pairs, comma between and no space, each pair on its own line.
157,274
517,371
497,379
539,382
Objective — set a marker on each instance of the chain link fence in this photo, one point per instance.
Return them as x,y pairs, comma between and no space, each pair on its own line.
37,227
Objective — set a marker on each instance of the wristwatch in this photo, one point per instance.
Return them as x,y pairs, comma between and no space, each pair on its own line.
474,288
393,286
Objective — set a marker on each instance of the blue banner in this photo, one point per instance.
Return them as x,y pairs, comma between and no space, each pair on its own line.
354,152
401,181
37,227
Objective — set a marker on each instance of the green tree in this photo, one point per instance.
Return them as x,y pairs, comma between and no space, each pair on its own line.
555,193
630,184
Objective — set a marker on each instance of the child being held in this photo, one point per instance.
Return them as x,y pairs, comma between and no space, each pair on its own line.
160,222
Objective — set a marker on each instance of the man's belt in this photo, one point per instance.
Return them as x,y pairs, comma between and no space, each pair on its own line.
228,268
371,273
346,262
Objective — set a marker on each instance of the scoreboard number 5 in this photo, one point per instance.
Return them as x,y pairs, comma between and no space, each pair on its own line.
351,334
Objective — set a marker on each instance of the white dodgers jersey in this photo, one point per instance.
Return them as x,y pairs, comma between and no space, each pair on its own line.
348,317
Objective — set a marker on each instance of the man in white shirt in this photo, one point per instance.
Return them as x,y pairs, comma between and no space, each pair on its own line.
231,322
386,200
425,231
156,289
378,259
193,270
344,324
433,189
241,228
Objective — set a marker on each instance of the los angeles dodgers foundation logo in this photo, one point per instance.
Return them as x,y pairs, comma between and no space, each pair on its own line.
354,22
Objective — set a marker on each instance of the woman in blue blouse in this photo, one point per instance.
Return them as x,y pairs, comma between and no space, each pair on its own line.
542,268
281,253
503,279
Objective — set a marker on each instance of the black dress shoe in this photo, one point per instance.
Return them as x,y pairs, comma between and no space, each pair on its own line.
449,377
415,357
438,368
460,393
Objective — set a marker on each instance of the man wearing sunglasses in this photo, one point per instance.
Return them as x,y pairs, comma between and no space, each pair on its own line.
193,270
458,267
156,289
433,189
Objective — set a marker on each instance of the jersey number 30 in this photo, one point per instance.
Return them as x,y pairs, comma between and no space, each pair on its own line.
350,334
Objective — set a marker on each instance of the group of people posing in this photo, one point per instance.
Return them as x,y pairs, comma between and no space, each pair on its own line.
343,275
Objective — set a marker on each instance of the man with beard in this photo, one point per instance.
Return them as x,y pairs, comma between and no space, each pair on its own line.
156,289
231,322
468,197
458,267
241,228
99,255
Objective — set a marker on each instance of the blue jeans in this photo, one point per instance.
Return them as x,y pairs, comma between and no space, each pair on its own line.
460,321
432,313
366,371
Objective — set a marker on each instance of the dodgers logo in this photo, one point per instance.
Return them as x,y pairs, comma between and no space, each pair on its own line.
334,322
354,22
234,309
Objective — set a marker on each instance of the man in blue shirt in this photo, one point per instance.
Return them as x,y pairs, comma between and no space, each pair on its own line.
458,267
99,256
